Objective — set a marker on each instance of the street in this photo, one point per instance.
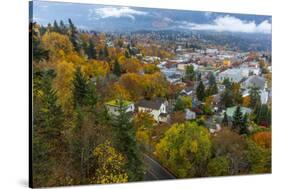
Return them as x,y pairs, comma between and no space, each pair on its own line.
155,171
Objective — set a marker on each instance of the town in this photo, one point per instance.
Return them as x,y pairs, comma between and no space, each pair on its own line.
142,103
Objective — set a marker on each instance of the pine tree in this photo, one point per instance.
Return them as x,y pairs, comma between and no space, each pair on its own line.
48,143
227,83
80,89
105,52
56,27
189,73
63,28
127,144
227,99
254,97
237,119
212,79
74,38
127,55
91,50
244,126
117,68
225,119
38,52
200,91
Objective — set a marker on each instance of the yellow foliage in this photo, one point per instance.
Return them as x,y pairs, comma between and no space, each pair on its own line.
59,45
110,165
246,101
96,68
63,82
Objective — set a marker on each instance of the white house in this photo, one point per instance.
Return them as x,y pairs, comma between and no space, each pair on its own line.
234,75
189,114
264,95
113,106
254,81
157,108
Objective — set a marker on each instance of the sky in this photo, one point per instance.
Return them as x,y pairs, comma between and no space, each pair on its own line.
123,18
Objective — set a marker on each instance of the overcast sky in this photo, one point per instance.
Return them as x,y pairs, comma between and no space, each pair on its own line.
119,18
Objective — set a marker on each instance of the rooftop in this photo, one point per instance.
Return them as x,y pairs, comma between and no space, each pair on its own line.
152,104
230,111
117,103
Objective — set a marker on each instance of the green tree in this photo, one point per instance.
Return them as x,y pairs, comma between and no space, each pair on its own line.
263,115
48,142
91,50
80,87
218,166
127,144
189,73
38,51
56,27
227,83
238,120
227,98
254,97
212,79
258,158
74,35
244,127
200,91
117,68
225,119
185,149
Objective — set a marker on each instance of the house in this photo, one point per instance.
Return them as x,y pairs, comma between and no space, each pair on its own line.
264,95
175,78
113,106
254,81
188,91
234,75
157,108
189,114
230,111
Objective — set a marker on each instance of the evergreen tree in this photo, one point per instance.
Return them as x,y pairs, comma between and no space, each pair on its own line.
74,36
237,119
227,98
179,105
244,126
200,91
48,142
227,83
263,115
127,144
91,50
254,97
127,55
80,89
105,52
212,79
38,52
117,68
63,28
189,73
225,119
56,27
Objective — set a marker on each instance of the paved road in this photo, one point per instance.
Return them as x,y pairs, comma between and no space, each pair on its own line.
155,171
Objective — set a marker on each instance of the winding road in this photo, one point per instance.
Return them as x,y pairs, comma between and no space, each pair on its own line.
155,171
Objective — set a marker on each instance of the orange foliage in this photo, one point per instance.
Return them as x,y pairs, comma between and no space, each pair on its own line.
263,139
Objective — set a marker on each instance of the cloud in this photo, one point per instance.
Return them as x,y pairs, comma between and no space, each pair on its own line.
231,24
107,12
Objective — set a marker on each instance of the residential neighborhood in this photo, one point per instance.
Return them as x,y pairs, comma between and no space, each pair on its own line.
127,94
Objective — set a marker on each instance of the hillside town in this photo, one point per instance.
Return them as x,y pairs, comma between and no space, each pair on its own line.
141,97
